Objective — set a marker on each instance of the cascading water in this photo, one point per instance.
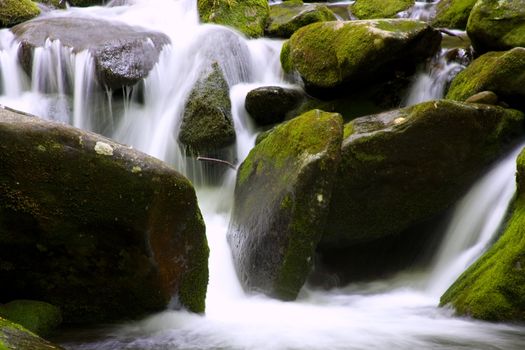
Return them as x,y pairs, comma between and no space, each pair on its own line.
399,313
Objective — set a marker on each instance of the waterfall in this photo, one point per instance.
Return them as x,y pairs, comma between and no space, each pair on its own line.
475,223
396,313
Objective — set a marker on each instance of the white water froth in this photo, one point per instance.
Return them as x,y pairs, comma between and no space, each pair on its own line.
395,314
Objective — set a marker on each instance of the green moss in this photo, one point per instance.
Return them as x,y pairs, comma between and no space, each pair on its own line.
38,317
453,13
17,11
370,9
287,17
14,336
500,72
247,16
327,54
493,288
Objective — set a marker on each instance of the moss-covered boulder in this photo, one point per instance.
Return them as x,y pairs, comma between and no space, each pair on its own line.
37,316
453,13
500,72
13,12
493,288
247,16
329,54
15,337
287,17
404,166
270,104
207,126
123,54
371,9
497,25
94,227
281,200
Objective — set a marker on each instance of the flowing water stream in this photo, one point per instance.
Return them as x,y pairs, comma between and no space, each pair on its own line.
399,313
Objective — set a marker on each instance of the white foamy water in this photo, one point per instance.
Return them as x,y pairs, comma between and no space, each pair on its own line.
399,313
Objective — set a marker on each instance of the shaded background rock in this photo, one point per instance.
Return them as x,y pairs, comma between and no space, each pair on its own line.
281,200
94,227
36,316
371,9
453,14
270,104
123,54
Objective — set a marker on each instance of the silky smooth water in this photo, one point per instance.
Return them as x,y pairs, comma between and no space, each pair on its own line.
398,313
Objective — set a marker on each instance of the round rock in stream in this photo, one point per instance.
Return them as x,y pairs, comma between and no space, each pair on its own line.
94,227
123,54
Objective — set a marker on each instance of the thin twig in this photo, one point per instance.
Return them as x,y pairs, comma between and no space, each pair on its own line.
220,161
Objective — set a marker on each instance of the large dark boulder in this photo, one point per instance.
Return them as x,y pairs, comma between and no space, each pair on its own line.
13,12
94,227
493,288
404,166
14,337
85,3
497,25
329,54
270,104
123,54
500,72
247,16
287,17
281,200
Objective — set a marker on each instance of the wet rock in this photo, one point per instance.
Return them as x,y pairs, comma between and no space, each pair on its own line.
401,167
282,194
497,25
493,288
207,125
14,336
13,12
247,16
269,104
94,227
39,317
289,16
123,55
86,3
330,54
485,97
500,72
453,14
371,9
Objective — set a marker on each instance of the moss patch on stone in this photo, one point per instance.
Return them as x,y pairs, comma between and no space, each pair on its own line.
13,12
453,13
39,317
287,17
493,288
247,16
372,9
14,336
500,72
328,54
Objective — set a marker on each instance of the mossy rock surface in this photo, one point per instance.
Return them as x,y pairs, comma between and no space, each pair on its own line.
15,337
500,72
497,25
330,54
404,166
13,12
247,16
207,122
39,317
282,195
373,9
287,17
118,62
453,14
270,104
493,288
94,227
